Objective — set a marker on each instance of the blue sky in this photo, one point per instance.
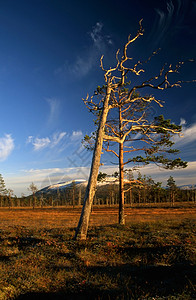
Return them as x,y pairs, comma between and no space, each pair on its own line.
49,61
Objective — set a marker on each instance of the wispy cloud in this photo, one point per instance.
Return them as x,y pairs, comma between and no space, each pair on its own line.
182,121
84,62
76,135
44,177
181,176
58,174
61,140
188,134
54,106
57,137
41,143
99,39
6,146
169,21
95,33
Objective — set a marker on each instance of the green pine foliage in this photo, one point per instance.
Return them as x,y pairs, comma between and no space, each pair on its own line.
3,190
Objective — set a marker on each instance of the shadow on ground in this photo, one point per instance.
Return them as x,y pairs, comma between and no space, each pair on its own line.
133,282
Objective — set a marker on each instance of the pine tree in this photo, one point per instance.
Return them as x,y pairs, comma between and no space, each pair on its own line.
171,184
3,190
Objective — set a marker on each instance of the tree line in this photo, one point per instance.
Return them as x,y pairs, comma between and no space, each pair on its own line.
147,192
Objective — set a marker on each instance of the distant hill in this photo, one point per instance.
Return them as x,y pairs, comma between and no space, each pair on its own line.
83,183
78,183
188,187
62,186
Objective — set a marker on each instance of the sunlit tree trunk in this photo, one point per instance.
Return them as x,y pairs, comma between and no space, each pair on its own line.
82,228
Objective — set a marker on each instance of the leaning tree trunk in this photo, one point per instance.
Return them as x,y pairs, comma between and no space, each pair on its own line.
81,231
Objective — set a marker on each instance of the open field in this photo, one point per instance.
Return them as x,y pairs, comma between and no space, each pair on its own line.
68,217
152,257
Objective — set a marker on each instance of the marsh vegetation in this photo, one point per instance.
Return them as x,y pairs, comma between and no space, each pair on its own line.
151,257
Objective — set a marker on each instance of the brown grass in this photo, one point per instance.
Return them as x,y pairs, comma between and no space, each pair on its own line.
151,257
68,217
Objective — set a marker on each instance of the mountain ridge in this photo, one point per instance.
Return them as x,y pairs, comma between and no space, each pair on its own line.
83,183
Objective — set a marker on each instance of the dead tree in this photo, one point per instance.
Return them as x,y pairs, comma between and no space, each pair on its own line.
123,116
133,122
112,82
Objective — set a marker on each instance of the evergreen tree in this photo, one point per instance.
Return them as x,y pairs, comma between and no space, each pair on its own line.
3,190
171,184
101,177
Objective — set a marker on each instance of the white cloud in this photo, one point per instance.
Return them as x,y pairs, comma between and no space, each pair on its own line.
54,175
96,34
169,21
62,140
29,139
57,137
58,174
84,62
41,143
182,122
44,177
38,174
189,134
100,40
181,176
82,66
76,135
6,146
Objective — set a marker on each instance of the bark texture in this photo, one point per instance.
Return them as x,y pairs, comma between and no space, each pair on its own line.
81,231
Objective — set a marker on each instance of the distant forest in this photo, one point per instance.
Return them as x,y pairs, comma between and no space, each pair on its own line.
106,194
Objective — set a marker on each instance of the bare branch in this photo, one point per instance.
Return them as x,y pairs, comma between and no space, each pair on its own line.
139,184
109,71
110,150
145,99
139,33
112,129
165,83
139,128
